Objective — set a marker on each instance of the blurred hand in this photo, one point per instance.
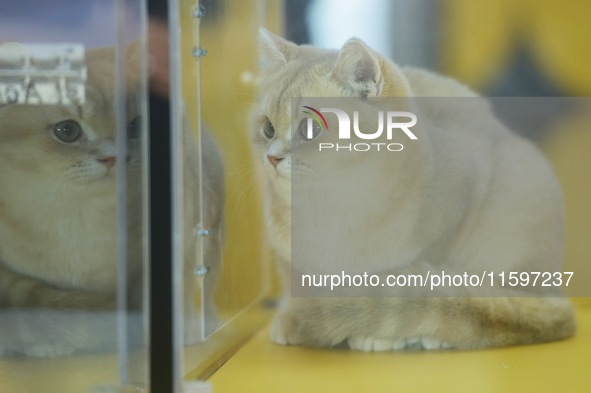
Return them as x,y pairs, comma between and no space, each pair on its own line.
158,57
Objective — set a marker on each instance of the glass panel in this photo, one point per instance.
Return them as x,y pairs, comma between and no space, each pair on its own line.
72,210
230,264
229,32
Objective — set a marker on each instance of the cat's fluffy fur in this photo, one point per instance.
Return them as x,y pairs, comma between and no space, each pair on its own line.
493,195
58,222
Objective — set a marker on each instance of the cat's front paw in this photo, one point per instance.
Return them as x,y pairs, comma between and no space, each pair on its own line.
377,344
48,350
285,329
38,350
304,325
192,331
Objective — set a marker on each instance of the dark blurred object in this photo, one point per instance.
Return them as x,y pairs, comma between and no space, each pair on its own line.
157,9
296,15
159,55
522,77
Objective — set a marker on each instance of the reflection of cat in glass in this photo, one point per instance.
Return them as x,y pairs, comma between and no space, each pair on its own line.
58,224
490,201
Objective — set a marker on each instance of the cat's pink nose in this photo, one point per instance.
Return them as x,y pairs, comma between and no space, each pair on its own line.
275,160
109,162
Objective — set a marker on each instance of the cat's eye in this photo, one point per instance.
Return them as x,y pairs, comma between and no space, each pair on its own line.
309,129
269,130
134,128
68,131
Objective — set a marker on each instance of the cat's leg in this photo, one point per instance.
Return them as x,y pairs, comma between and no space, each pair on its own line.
192,317
201,320
379,344
372,324
213,261
214,201
40,320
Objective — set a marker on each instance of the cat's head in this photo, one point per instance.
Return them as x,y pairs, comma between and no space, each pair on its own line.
68,146
297,72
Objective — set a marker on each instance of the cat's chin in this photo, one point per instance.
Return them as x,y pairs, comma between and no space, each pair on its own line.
105,181
281,177
108,177
282,187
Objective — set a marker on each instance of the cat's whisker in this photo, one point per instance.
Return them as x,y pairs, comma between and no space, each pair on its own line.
242,169
249,95
253,182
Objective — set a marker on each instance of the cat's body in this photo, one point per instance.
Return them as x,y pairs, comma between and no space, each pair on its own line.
469,196
58,221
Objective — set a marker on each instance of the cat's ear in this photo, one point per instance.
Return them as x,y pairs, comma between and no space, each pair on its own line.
359,68
274,50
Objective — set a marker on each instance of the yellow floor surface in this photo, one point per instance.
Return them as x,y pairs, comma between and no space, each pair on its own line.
562,367
261,367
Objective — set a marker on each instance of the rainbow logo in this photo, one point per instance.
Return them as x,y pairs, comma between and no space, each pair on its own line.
316,115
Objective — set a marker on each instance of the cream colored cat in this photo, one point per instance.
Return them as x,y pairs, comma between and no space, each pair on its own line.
488,202
58,221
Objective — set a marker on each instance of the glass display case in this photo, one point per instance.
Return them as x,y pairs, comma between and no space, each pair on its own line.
73,109
133,246
132,254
